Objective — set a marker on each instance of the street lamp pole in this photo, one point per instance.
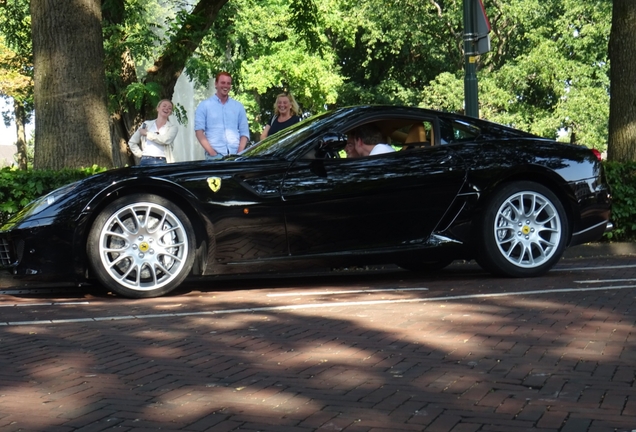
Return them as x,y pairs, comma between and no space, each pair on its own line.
471,99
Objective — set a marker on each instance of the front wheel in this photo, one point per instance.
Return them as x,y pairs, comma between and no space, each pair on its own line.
141,246
523,232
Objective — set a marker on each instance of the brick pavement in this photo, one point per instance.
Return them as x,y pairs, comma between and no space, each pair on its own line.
555,362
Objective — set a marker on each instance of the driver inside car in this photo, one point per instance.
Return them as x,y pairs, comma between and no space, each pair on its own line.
367,141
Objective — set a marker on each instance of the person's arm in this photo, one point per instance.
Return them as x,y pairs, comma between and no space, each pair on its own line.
134,143
203,140
166,139
242,144
200,121
265,132
244,129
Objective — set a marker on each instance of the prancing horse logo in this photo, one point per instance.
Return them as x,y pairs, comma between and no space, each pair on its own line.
214,183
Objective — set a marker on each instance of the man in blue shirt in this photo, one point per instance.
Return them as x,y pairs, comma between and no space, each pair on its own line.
220,122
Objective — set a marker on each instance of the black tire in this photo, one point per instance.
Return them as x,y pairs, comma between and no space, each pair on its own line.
523,231
425,266
141,246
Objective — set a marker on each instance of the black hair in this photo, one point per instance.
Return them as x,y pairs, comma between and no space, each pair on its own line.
368,134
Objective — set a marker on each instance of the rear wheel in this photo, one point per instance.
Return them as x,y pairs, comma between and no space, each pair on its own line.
141,246
523,232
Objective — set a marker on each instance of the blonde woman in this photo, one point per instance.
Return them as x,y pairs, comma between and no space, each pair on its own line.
154,140
286,113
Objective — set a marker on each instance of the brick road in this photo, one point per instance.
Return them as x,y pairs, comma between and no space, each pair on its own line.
457,357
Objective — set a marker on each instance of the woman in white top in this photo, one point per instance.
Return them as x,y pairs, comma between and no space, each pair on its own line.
153,142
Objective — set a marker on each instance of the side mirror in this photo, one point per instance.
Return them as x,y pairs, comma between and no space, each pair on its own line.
329,145
332,140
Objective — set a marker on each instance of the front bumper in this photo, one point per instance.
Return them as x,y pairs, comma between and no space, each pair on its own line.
41,253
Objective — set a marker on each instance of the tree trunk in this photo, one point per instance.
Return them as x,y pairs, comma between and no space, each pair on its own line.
622,117
170,64
20,126
72,127
121,66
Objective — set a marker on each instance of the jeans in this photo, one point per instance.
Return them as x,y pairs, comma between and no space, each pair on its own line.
152,160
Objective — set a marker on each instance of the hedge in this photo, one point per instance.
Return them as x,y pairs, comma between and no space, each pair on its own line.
621,177
19,187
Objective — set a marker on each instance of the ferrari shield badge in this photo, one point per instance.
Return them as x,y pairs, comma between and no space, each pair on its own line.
214,183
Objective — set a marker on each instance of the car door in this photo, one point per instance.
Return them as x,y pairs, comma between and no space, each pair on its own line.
243,203
368,204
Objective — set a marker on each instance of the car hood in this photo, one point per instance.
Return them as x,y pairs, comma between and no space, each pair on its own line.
69,202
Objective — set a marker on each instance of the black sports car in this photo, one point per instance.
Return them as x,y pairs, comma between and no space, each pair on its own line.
455,188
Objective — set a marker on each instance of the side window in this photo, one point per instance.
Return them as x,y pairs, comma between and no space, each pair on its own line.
417,134
457,131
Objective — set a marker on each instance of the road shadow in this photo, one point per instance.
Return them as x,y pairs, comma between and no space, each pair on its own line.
560,361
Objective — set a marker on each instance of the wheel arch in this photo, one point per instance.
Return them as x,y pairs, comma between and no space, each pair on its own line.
184,199
526,239
542,176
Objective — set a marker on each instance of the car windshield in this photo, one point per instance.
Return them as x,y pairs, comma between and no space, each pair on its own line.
283,142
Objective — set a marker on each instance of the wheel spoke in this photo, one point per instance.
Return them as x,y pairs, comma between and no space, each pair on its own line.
532,206
143,246
131,268
548,244
118,260
163,268
527,229
540,209
513,246
130,219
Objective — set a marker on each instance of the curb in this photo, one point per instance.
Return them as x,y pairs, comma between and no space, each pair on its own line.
591,250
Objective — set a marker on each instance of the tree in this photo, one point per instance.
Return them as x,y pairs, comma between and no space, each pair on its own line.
17,84
544,75
269,58
129,39
547,73
149,48
70,89
16,69
622,44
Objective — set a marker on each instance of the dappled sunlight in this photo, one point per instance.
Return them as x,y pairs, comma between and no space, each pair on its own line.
26,330
13,400
209,398
197,363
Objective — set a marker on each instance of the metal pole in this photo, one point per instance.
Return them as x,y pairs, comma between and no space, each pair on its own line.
471,99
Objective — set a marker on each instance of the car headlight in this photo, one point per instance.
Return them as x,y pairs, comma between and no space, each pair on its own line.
40,204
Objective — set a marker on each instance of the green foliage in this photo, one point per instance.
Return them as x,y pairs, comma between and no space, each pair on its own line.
15,26
19,187
547,72
16,57
139,93
304,19
270,57
134,31
622,180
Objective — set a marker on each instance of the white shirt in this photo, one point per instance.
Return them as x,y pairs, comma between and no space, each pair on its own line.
152,148
380,149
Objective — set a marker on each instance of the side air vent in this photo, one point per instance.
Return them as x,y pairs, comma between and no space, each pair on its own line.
5,253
